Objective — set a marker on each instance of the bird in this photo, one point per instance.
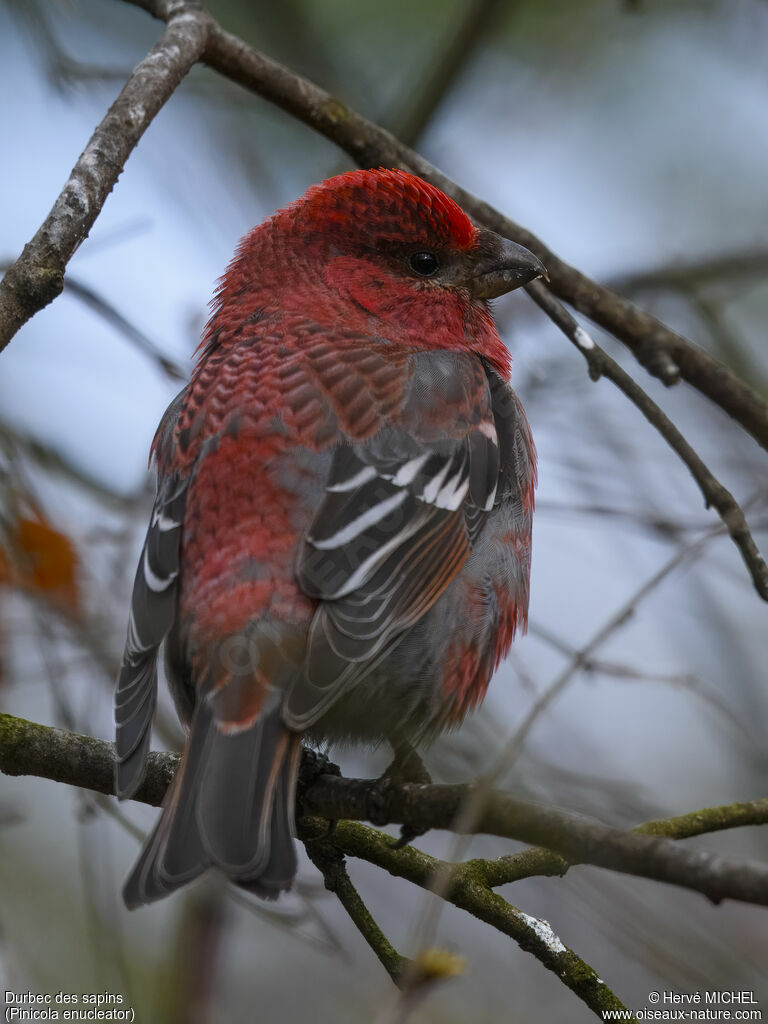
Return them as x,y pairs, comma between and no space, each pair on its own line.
339,549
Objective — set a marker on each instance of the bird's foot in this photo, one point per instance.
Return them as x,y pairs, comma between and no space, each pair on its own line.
406,767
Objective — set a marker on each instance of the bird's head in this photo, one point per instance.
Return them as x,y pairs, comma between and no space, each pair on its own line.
384,252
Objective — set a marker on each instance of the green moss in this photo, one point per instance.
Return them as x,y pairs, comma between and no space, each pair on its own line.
13,733
472,872
709,819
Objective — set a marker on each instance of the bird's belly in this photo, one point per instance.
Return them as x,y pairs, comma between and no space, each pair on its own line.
440,668
391,703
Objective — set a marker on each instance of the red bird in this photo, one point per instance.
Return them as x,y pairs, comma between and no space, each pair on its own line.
340,543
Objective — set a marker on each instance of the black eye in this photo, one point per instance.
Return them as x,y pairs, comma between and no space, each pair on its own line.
423,263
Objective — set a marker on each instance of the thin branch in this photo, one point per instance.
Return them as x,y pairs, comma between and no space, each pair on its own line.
465,37
291,922
329,861
115,318
709,819
62,70
199,938
696,273
632,673
37,276
666,526
600,364
27,748
469,891
57,463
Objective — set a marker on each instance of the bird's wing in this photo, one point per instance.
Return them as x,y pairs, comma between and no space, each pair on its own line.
396,525
153,609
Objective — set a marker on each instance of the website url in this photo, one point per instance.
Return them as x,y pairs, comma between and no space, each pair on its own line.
703,1014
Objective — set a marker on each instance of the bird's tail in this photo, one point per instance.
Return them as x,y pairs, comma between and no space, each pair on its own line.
231,805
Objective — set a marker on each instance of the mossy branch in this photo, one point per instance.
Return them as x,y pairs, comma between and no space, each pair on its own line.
27,748
538,861
469,890
329,861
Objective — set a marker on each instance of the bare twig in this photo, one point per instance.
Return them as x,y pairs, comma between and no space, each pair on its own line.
37,276
62,70
600,364
91,298
684,275
58,463
619,670
199,936
470,30
670,527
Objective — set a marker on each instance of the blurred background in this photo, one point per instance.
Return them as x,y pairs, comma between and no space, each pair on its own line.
633,138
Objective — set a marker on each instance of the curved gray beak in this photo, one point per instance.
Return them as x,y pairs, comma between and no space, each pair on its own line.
502,266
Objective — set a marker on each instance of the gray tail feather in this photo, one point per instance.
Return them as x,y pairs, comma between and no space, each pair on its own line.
134,710
231,805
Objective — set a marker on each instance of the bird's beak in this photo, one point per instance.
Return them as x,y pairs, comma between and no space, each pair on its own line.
501,267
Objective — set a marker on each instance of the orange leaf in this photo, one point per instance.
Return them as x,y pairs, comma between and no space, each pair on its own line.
48,560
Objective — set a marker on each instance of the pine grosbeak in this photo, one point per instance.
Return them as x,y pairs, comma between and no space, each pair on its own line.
340,543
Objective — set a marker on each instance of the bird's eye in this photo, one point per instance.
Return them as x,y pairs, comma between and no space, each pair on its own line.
423,263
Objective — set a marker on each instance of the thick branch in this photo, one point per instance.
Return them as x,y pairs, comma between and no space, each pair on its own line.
27,748
37,276
537,861
571,836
